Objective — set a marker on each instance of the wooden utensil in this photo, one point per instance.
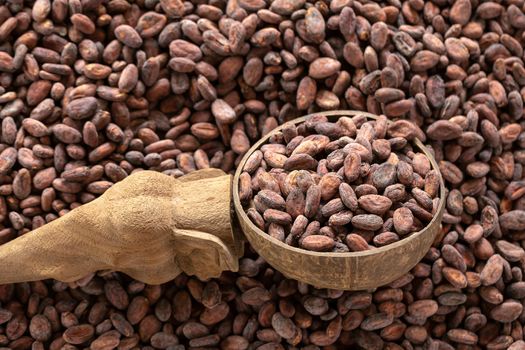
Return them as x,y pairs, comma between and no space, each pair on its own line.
153,227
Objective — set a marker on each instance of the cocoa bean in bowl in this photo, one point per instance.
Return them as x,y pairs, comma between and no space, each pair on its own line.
341,199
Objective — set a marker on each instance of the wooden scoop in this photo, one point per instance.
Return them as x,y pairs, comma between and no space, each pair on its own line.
153,227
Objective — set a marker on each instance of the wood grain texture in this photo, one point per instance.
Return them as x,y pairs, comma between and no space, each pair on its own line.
342,271
149,226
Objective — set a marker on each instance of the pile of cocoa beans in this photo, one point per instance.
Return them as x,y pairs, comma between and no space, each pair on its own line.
343,186
93,90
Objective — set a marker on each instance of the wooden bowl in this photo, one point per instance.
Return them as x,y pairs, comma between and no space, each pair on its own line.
341,271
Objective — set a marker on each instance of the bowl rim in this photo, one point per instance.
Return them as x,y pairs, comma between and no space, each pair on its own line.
242,216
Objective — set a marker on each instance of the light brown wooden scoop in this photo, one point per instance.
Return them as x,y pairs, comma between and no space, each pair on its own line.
153,227
149,226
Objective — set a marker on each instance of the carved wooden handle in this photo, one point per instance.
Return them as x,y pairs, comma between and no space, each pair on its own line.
149,226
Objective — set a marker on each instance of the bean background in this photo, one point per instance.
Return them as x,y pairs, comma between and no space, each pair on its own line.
93,90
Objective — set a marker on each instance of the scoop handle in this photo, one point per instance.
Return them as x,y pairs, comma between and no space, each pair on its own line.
150,226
